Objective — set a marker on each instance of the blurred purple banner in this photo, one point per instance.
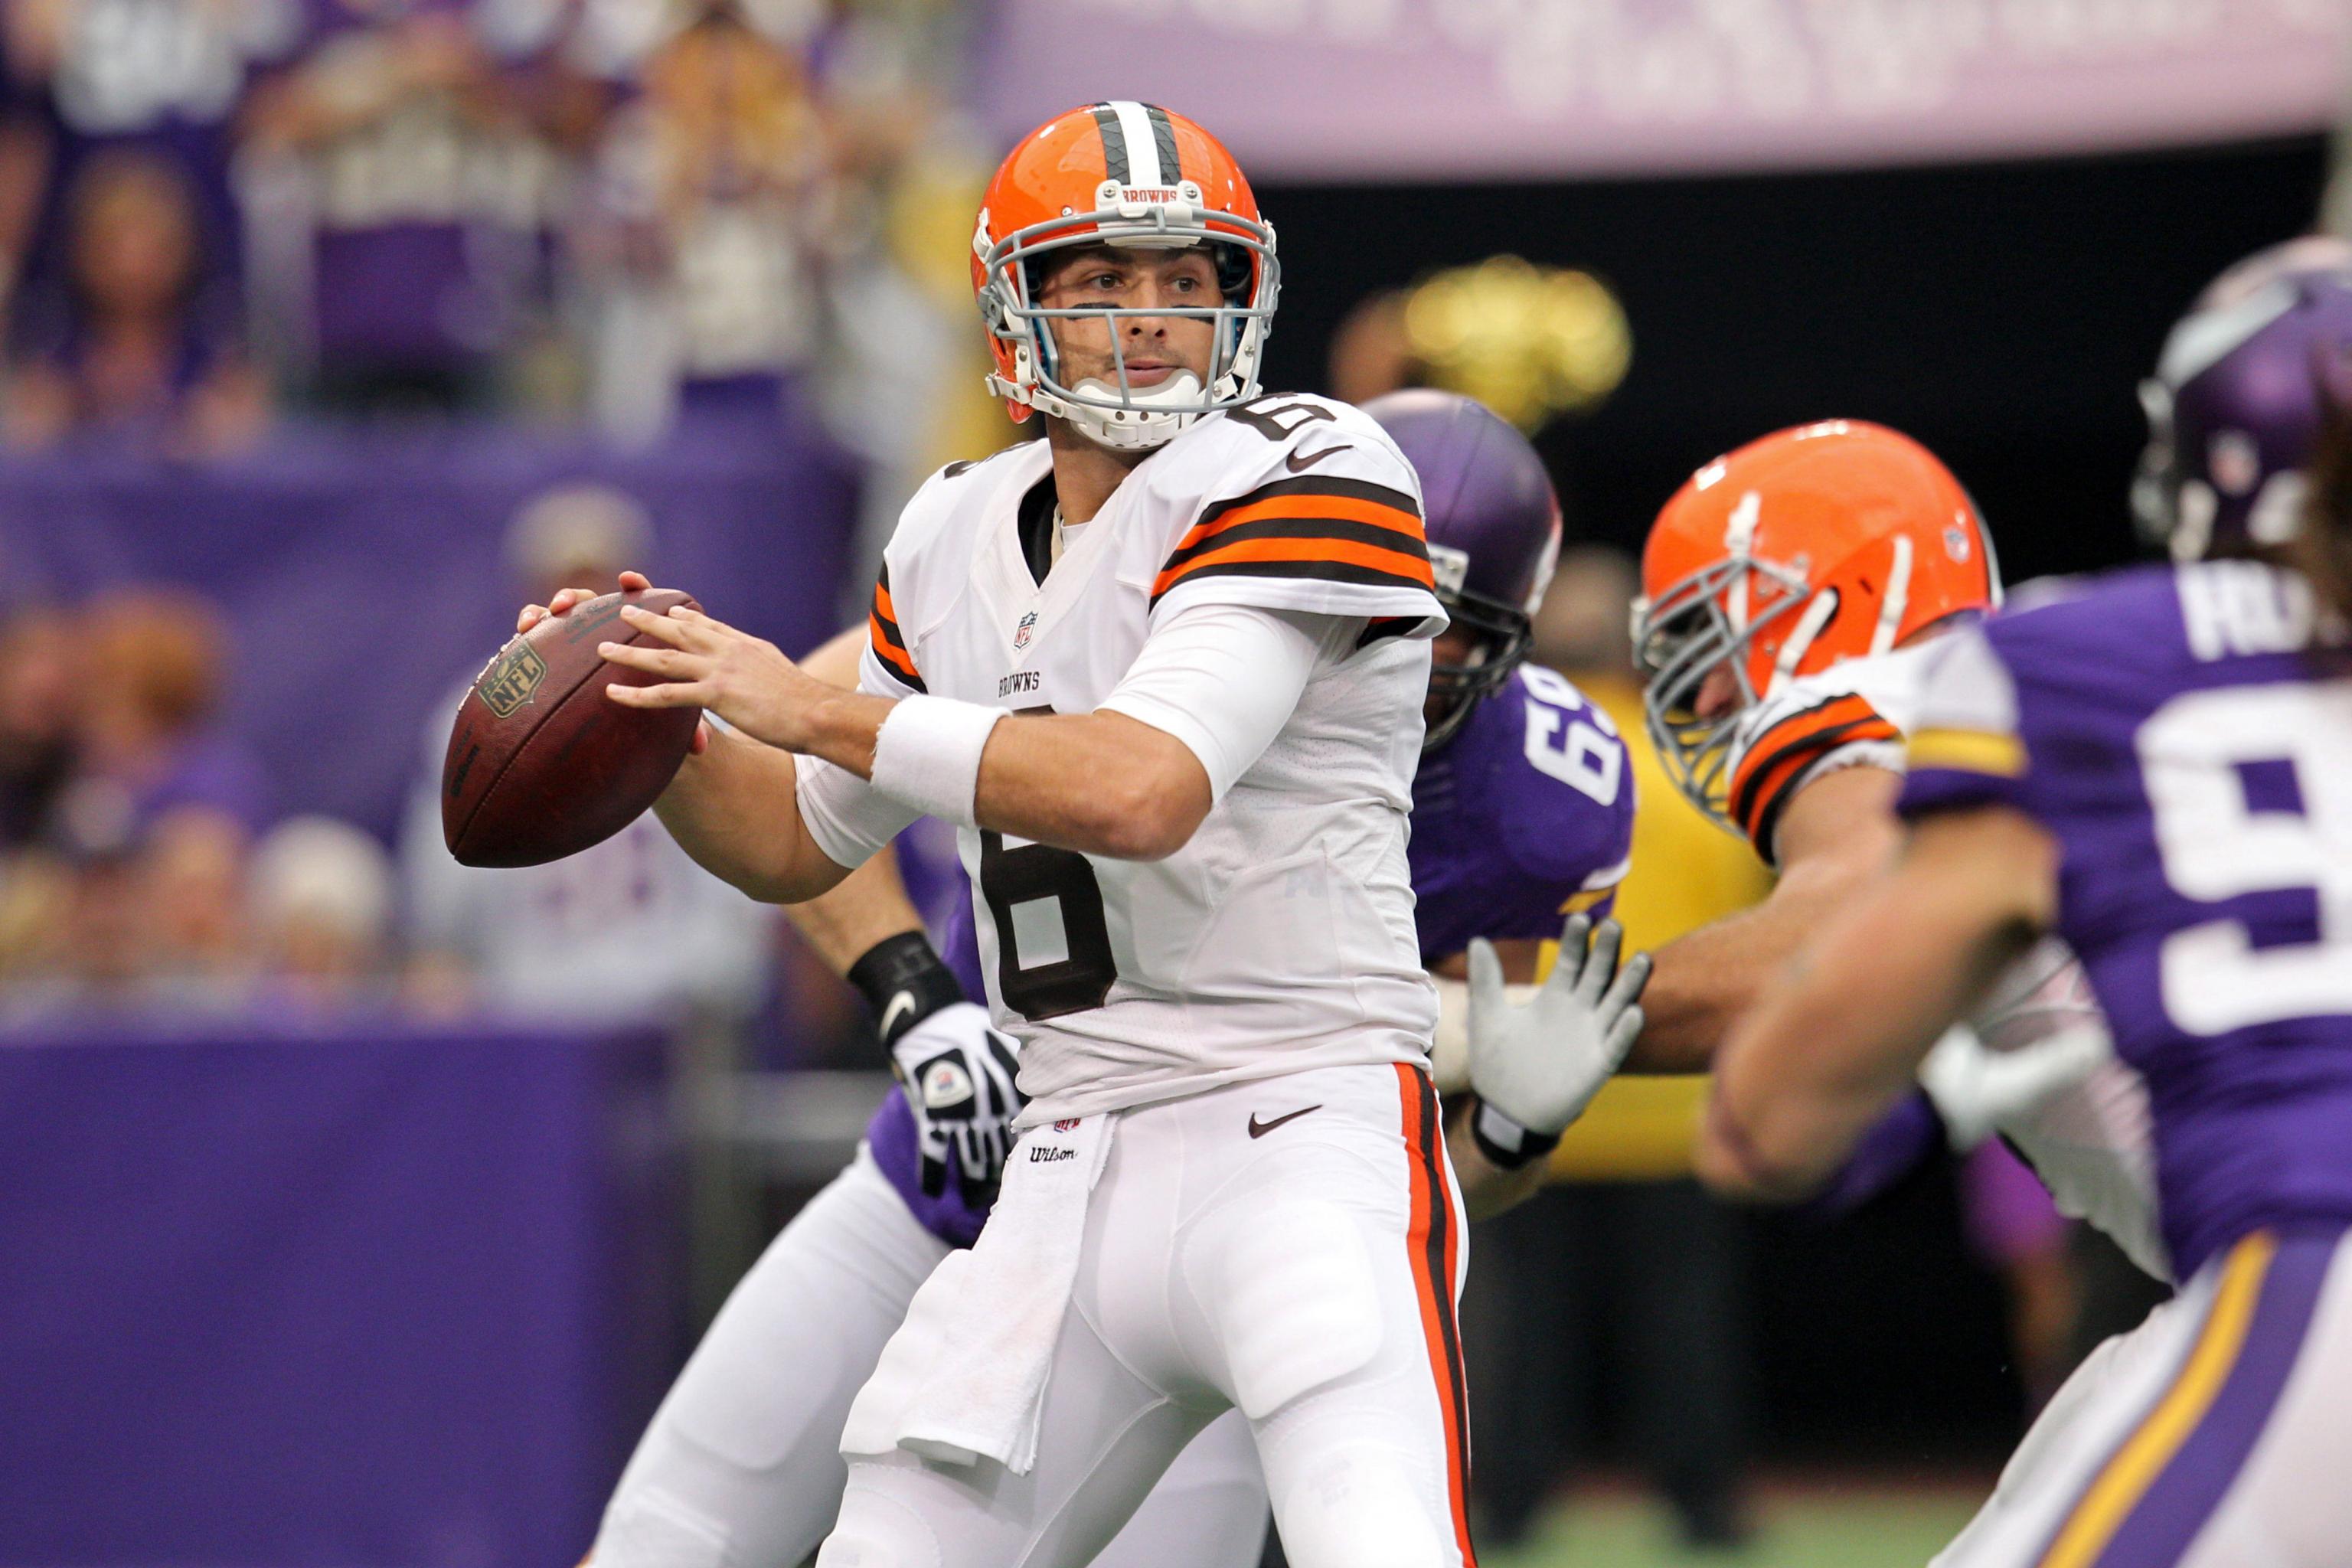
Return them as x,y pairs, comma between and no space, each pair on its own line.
370,1297
364,576
1377,89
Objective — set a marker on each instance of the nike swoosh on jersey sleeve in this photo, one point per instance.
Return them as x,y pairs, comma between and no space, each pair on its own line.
1321,529
890,643
1776,762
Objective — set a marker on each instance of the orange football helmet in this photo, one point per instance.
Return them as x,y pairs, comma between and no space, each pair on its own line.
1807,548
1121,173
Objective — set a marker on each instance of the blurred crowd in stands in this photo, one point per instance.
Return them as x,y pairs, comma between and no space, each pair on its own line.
222,219
216,214
146,866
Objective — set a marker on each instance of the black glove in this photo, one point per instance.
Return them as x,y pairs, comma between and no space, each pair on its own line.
958,1072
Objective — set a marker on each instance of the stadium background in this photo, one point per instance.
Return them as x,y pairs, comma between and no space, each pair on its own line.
357,1210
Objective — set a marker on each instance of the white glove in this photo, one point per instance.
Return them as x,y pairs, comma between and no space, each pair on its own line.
959,1077
1449,1048
1977,1090
1536,1066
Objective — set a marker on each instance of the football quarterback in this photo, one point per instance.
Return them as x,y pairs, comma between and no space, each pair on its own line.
1522,807
1163,669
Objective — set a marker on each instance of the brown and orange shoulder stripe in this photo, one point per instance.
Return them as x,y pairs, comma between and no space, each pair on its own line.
1327,529
889,642
1761,787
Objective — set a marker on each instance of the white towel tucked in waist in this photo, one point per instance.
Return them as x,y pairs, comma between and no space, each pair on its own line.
965,1377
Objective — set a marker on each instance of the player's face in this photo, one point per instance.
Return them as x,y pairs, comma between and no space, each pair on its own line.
1153,348
1718,694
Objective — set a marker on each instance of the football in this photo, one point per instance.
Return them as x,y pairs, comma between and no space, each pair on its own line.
541,764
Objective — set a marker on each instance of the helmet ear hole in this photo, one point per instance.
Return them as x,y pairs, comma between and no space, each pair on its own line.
1235,272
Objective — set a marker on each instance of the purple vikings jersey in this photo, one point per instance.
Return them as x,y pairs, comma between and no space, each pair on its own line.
2175,732
1525,815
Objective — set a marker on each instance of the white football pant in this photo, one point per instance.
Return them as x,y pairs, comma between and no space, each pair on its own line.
740,1468
1292,1247
2216,1434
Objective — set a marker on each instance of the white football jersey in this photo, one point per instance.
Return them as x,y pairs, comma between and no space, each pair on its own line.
2090,1144
1851,714
1281,937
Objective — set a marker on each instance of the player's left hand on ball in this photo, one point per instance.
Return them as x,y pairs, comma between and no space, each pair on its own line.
708,664
1541,1063
958,1076
566,600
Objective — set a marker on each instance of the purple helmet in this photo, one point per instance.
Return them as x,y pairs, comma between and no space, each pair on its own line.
1493,536
2238,399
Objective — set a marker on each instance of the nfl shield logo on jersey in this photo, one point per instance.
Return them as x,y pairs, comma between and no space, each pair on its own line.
1021,633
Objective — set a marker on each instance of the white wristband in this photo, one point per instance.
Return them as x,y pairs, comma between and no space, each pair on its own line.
926,754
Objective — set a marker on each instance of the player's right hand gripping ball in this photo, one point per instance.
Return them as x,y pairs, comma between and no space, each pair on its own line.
541,764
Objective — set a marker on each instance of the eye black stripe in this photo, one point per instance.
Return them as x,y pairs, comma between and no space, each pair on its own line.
1163,137
1114,141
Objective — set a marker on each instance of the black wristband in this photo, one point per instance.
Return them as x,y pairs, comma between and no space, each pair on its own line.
1506,1143
905,982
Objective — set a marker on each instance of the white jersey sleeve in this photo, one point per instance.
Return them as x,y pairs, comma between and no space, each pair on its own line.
1853,714
1297,503
1223,679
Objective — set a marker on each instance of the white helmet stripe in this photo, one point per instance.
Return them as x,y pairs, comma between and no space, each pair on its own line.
1738,538
1896,599
1163,137
1142,145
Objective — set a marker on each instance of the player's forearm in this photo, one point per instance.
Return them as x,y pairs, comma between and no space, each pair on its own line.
1839,1039
1705,981
1101,783
733,811
1487,1189
868,907
1821,1061
1840,837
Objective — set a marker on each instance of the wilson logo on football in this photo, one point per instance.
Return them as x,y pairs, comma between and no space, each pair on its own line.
511,680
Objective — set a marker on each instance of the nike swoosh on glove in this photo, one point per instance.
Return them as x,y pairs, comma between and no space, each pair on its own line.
1536,1066
959,1077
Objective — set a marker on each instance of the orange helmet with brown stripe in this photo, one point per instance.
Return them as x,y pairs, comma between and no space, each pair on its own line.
1126,174
1811,546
